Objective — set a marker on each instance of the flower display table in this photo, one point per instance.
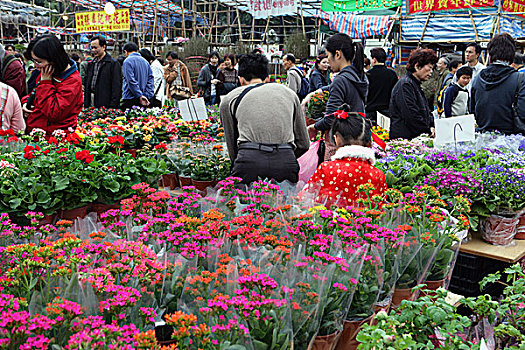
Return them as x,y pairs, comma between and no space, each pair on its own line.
509,254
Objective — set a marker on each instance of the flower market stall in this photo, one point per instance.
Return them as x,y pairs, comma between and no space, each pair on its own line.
218,265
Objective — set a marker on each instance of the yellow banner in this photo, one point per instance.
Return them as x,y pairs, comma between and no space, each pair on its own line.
99,21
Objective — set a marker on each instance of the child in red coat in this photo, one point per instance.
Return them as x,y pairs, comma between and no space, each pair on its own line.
336,182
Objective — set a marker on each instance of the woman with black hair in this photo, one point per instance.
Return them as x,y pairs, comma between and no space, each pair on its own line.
159,84
352,165
228,77
410,115
177,78
320,76
350,86
207,76
57,98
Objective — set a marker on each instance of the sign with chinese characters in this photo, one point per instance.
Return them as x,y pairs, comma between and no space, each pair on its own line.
358,5
417,6
265,8
99,21
514,6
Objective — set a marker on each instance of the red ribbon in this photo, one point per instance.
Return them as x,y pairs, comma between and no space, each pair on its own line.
378,141
341,114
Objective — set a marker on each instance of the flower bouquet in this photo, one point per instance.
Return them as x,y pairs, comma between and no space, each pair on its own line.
317,106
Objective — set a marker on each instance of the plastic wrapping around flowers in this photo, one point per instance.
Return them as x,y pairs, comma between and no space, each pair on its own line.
244,267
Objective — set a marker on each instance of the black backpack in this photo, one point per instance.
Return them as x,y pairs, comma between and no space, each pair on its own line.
305,84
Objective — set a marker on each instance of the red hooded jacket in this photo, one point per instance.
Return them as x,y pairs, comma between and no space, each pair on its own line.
57,102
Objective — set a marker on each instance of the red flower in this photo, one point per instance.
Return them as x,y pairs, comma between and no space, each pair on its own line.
8,132
12,139
28,148
52,140
81,155
62,150
85,156
29,155
161,145
116,139
45,152
73,138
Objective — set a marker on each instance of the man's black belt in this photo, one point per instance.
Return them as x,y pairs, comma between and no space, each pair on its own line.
265,147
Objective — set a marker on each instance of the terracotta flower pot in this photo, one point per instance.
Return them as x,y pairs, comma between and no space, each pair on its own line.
169,180
347,340
520,229
325,342
202,185
175,183
432,285
73,214
48,219
132,151
100,208
184,181
400,295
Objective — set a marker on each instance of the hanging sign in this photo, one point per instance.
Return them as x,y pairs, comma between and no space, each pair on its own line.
265,8
99,21
358,5
417,6
513,6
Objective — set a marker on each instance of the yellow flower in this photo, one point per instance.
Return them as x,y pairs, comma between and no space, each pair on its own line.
147,138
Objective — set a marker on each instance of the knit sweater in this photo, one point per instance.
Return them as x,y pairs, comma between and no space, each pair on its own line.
283,123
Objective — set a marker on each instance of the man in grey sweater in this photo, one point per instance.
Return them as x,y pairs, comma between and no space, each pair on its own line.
264,126
293,75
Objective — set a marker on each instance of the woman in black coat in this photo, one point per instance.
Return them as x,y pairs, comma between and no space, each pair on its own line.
320,76
410,115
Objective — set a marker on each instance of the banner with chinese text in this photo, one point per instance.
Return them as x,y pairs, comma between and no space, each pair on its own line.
418,6
358,5
513,6
99,21
265,8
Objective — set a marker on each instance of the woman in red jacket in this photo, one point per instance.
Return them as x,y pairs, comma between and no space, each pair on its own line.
57,98
336,182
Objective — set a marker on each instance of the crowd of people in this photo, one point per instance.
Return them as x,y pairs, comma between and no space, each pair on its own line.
266,142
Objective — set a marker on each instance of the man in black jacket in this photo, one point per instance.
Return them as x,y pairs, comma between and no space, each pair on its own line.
103,84
498,92
381,81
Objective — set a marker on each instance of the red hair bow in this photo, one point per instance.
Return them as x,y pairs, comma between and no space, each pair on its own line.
341,114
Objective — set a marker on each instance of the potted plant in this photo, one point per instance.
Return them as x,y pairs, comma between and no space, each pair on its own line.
203,172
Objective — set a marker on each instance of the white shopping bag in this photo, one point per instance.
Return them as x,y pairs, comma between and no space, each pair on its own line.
455,129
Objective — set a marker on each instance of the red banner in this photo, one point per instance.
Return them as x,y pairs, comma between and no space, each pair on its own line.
417,6
514,6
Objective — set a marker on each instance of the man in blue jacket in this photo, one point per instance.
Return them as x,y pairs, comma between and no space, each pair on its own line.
498,92
138,81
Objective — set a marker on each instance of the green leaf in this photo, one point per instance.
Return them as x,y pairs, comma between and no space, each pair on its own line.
113,186
61,182
15,203
43,197
258,345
